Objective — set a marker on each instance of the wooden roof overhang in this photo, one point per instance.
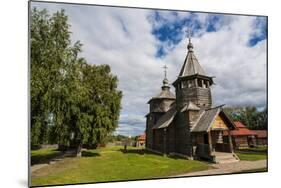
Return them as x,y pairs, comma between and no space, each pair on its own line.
160,98
207,118
181,78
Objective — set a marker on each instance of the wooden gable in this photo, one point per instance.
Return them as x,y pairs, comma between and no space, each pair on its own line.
219,124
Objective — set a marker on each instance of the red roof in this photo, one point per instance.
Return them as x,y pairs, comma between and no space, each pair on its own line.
238,124
260,133
141,137
241,130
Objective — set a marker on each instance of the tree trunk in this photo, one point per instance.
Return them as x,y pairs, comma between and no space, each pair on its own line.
79,150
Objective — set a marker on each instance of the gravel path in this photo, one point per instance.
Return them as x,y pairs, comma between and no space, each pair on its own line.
227,168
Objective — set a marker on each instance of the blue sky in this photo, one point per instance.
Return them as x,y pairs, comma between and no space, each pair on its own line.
137,43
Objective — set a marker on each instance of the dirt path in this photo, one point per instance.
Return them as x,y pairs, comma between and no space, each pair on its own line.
227,168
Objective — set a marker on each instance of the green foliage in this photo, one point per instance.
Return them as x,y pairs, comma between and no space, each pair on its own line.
68,96
249,116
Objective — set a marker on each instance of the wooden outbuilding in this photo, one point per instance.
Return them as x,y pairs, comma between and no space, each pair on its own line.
261,137
140,141
242,137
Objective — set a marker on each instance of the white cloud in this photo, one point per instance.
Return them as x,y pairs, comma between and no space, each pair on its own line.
123,39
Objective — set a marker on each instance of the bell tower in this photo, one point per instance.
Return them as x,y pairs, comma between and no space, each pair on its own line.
192,84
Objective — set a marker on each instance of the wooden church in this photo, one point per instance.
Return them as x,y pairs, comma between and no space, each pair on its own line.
186,123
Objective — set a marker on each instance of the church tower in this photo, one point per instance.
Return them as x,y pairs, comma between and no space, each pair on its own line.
192,84
158,106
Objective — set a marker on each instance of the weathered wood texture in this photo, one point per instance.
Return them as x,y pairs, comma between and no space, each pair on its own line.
261,141
192,116
203,151
151,120
171,139
240,142
219,124
199,96
219,143
183,136
160,105
158,140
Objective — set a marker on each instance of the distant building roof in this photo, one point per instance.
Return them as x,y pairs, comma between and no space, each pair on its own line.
238,124
141,137
260,133
241,130
165,120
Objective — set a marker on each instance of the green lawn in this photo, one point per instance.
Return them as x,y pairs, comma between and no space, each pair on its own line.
252,154
111,164
43,155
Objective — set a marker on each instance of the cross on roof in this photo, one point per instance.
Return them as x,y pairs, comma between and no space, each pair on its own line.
188,33
165,70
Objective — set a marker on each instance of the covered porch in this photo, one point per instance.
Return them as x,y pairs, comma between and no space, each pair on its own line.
207,145
211,138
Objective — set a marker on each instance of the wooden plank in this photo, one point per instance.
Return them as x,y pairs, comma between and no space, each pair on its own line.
219,124
210,142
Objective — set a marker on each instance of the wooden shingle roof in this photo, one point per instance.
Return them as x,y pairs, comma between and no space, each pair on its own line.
205,120
190,106
165,120
207,117
191,65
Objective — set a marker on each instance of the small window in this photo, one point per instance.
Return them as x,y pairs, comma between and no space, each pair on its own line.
184,84
200,82
206,83
191,83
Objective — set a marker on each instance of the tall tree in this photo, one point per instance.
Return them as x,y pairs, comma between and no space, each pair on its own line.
72,102
249,116
40,42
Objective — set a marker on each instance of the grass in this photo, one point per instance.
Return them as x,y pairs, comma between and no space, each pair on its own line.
252,154
113,164
43,155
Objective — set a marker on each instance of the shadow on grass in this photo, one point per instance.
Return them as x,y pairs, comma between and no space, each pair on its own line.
89,154
134,151
144,151
45,158
139,151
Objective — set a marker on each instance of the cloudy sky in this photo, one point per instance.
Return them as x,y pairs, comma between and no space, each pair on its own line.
137,43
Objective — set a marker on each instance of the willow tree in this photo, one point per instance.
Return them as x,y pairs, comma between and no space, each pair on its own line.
72,102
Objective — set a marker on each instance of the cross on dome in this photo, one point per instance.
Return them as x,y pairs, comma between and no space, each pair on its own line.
165,70
188,34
